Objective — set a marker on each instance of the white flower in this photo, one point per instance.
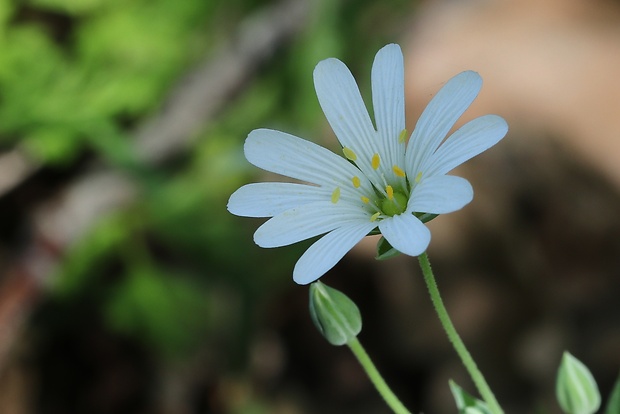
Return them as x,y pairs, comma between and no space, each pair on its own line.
382,181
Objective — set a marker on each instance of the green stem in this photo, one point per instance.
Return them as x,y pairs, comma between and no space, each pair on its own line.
455,339
390,398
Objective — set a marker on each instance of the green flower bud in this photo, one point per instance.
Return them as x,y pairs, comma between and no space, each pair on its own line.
473,410
334,314
576,389
465,403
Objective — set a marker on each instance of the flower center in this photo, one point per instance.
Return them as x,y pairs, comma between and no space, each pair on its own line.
396,204
389,194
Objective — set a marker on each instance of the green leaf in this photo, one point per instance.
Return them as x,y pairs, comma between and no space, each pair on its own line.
613,405
73,7
465,403
385,250
166,310
81,266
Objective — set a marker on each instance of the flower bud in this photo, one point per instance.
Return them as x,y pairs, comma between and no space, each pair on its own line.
334,314
576,389
465,403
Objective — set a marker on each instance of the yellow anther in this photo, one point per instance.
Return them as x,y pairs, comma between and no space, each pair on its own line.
336,195
348,152
403,136
418,177
356,182
365,200
375,216
390,192
375,161
398,171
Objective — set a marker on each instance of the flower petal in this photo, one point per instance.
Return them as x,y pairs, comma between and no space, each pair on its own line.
306,221
406,233
328,250
470,140
345,111
388,97
269,199
439,117
440,194
294,157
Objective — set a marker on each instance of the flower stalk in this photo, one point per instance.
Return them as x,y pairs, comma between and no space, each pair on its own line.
455,339
371,370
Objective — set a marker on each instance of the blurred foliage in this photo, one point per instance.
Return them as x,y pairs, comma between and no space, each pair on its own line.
69,68
164,310
174,270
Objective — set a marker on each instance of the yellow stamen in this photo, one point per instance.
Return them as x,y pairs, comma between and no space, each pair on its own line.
356,182
375,161
390,192
375,216
403,136
398,171
418,177
365,200
336,195
348,152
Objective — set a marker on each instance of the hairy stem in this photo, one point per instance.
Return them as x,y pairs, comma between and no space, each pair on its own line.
455,339
390,398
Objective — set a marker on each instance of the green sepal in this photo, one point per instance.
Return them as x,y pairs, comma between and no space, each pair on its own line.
613,404
335,315
466,403
423,217
426,217
576,389
385,250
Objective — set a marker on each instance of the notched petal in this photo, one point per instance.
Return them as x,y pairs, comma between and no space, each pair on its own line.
440,116
295,157
270,199
468,141
406,233
327,251
306,221
440,194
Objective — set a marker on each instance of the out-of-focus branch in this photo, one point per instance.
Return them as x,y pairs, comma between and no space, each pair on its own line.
196,99
201,95
15,168
62,220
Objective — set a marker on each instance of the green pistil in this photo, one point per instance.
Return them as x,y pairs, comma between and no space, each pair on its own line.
395,205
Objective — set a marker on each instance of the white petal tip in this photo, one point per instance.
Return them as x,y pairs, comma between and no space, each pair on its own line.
390,48
469,77
501,124
327,64
261,240
235,205
304,279
310,268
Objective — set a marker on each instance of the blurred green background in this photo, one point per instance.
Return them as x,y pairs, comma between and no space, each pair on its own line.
161,302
